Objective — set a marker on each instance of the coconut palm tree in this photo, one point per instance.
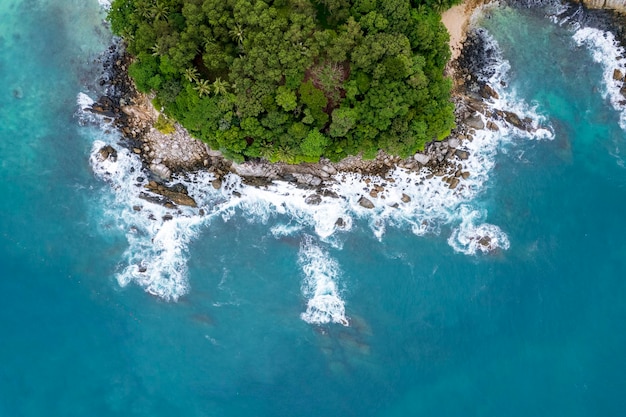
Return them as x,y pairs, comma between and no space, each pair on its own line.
236,34
159,11
219,86
158,49
191,74
203,88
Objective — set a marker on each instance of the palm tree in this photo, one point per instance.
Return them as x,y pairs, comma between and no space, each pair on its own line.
203,88
237,33
158,49
219,86
191,74
159,11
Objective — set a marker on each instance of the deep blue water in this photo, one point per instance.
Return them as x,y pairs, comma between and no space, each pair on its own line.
535,329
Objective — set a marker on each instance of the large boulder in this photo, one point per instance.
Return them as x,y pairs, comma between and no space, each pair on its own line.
366,203
474,122
176,194
421,158
108,152
161,171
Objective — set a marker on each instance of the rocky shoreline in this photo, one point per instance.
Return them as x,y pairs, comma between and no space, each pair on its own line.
166,154
177,153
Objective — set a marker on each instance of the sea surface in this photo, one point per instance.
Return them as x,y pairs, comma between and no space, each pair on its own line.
261,305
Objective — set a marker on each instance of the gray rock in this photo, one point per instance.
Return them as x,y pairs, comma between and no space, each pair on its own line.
454,143
161,171
475,122
308,179
366,203
329,169
461,154
313,199
421,158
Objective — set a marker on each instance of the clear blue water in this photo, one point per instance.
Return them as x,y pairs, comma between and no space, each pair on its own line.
535,329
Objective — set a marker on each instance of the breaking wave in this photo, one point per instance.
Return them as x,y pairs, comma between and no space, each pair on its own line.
608,52
471,237
324,305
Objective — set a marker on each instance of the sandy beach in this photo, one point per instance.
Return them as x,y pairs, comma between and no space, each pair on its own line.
457,19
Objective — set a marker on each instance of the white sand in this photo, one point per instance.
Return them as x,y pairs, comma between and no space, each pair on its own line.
456,19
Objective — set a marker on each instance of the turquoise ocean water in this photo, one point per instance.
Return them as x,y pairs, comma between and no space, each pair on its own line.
264,285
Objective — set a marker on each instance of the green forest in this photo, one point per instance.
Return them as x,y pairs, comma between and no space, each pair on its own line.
294,80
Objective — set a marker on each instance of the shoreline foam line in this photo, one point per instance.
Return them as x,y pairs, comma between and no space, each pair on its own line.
608,52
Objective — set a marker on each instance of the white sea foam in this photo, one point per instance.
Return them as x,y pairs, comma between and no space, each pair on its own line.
321,272
470,236
84,101
607,51
157,237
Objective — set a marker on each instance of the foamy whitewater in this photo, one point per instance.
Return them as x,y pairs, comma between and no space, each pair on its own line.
606,50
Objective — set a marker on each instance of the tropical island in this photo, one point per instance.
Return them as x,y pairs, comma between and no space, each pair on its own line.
293,81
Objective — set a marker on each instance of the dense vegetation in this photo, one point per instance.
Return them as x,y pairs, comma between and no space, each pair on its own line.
293,80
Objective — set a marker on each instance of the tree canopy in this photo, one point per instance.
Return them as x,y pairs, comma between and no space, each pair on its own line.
294,80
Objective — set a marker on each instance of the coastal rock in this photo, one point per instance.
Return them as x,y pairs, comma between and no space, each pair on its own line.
161,171
176,194
514,120
313,199
454,143
248,169
307,179
216,183
454,182
492,126
475,122
488,92
340,223
366,203
462,155
108,152
421,158
405,198
618,75
329,169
